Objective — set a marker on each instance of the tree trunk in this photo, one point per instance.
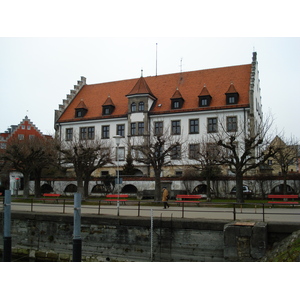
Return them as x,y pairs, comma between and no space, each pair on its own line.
80,186
26,185
37,184
208,192
158,192
86,187
239,188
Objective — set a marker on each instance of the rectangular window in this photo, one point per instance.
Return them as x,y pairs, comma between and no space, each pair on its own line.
212,125
176,152
194,151
140,128
91,133
204,102
83,133
121,130
69,134
176,127
133,128
231,123
194,126
105,132
158,128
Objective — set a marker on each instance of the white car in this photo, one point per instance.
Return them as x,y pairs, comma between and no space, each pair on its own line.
246,190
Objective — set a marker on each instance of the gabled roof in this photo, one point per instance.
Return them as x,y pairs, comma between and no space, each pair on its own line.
141,87
217,80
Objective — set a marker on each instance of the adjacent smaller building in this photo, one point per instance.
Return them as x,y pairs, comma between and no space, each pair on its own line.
26,129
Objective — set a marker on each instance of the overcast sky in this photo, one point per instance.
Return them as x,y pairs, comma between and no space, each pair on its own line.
38,72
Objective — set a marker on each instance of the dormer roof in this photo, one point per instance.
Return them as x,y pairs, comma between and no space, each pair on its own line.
108,102
81,105
204,92
231,89
176,95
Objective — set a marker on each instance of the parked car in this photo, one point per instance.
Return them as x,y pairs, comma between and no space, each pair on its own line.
246,190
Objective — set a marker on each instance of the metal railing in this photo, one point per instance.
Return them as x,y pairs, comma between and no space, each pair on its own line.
136,208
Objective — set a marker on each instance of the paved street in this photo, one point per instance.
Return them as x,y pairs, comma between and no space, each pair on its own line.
207,212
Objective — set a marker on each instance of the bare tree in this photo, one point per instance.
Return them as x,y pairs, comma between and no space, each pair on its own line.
207,154
286,156
30,156
245,149
157,151
85,156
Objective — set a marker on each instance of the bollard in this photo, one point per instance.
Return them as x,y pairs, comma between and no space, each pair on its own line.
77,244
7,227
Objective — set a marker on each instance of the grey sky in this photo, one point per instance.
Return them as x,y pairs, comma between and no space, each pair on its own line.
37,73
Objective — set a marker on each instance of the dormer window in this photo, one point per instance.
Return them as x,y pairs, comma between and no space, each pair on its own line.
231,100
204,98
81,109
176,104
177,100
80,112
107,110
108,107
232,96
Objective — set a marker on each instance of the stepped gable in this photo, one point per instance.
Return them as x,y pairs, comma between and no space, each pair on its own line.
163,87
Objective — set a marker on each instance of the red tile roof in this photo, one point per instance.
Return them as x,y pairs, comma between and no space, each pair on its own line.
217,81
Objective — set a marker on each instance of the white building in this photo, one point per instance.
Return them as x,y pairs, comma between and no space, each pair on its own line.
188,104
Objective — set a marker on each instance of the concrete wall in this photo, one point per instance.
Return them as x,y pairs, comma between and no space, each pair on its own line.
49,238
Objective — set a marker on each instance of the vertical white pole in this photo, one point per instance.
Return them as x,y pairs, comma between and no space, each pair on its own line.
77,243
151,236
118,176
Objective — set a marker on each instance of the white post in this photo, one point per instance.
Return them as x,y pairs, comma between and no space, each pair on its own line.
151,237
118,138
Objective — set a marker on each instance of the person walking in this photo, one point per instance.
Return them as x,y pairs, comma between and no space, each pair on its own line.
165,197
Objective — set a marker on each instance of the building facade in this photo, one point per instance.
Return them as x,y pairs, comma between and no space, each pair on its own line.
187,105
25,130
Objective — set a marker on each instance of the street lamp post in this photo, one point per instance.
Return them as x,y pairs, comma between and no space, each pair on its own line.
118,139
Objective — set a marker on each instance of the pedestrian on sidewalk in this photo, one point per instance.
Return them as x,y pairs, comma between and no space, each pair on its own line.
165,197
